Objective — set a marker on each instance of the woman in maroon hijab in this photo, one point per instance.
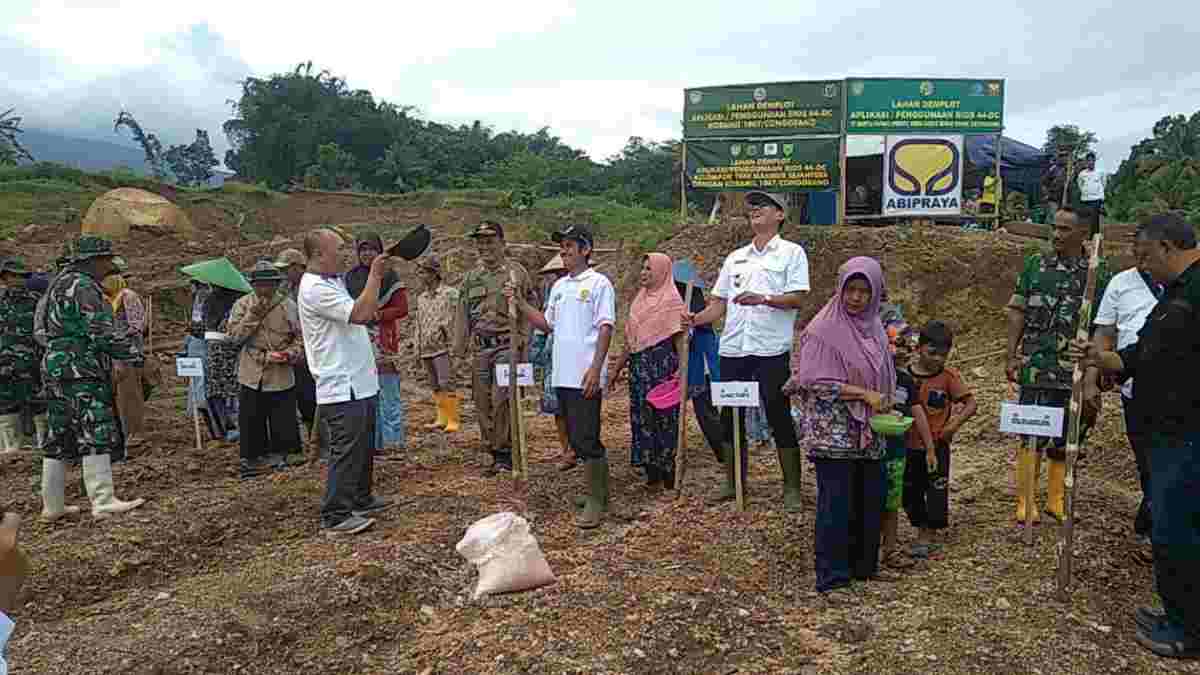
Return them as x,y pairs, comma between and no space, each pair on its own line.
842,374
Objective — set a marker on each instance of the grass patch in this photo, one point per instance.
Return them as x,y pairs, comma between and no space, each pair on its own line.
249,190
40,186
609,220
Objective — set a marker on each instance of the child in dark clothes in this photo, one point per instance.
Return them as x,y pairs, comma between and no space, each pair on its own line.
927,474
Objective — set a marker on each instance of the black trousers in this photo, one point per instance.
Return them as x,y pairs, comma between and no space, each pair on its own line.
927,496
710,422
306,392
583,422
1143,522
351,429
267,421
771,373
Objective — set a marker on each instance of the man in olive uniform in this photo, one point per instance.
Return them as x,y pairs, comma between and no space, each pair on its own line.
82,342
1043,316
20,356
483,321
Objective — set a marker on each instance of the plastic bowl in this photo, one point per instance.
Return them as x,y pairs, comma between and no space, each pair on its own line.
890,425
664,396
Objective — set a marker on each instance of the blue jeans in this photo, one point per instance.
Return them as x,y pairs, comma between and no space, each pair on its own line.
850,496
1138,441
389,432
1175,484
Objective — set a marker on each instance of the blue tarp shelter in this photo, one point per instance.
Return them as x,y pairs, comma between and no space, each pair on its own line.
1021,165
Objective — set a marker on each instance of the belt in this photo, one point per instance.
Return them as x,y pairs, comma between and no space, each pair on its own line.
490,341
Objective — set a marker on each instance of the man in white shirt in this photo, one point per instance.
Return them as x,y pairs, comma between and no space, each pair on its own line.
580,313
1128,300
757,293
14,567
1091,189
342,361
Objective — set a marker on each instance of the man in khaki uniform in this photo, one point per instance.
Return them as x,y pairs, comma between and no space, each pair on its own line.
484,322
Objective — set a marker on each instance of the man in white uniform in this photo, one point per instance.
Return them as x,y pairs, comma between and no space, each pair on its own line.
1091,190
580,314
757,293
340,357
1128,300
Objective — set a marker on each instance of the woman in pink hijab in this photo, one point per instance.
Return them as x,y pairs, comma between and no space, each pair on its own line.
842,374
653,339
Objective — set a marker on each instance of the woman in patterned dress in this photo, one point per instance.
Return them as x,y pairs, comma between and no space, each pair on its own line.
652,345
842,374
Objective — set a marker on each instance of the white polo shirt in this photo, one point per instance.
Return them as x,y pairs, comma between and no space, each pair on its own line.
577,308
781,267
1091,186
1126,304
339,353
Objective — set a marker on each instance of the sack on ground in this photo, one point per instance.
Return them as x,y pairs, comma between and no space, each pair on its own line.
506,554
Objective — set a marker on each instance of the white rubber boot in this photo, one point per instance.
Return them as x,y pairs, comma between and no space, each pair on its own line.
10,433
54,480
40,424
97,478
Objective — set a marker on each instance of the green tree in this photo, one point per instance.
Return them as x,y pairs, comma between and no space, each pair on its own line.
1161,174
1062,139
149,142
11,150
192,164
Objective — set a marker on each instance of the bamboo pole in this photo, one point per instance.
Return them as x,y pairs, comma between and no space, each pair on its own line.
514,397
1029,487
841,198
684,351
999,181
1066,534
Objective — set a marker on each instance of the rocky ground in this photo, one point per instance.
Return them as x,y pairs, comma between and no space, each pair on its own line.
216,575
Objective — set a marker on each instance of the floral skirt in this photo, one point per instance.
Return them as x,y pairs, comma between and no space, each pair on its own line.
654,432
221,370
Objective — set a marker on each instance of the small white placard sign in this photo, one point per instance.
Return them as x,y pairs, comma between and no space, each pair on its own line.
1031,420
735,394
189,367
524,374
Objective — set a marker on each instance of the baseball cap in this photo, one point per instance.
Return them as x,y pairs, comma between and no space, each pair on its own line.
775,198
487,229
577,233
288,257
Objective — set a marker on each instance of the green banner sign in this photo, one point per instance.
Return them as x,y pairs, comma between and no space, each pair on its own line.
794,165
883,106
773,109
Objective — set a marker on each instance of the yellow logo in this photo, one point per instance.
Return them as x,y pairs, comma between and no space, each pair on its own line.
584,294
923,173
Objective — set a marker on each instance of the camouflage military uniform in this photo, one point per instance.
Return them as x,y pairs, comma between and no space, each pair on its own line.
20,355
1050,291
82,342
483,315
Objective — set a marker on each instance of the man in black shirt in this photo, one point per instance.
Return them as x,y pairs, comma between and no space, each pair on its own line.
1165,363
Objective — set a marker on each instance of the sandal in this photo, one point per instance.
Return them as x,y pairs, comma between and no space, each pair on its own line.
1148,618
1170,641
924,551
898,561
886,577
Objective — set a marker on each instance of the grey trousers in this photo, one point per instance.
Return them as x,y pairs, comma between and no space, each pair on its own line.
351,429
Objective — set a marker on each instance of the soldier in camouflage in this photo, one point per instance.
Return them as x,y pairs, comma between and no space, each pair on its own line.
82,342
20,355
1043,316
483,320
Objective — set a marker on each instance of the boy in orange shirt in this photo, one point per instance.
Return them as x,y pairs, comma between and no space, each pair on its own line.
927,472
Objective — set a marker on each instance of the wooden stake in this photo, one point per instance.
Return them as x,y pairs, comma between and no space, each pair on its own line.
514,397
684,351
1066,534
196,423
737,459
999,182
1029,451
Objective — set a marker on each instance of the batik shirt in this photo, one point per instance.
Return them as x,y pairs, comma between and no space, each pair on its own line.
1050,291
435,320
82,338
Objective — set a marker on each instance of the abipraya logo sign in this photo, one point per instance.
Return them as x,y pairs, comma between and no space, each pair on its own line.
922,176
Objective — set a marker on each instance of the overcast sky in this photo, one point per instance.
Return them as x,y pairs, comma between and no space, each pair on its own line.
595,72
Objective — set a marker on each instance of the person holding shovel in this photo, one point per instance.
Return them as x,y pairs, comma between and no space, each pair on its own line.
1165,361
580,314
1042,317
653,341
483,319
267,324
759,289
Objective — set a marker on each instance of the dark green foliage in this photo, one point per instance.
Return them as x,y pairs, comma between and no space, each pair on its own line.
11,150
1161,174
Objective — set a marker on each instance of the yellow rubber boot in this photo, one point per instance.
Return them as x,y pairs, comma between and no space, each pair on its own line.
450,399
1056,479
439,400
1027,470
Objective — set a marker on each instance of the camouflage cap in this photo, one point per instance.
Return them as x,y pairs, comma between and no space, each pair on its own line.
14,265
264,271
288,257
120,263
90,246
